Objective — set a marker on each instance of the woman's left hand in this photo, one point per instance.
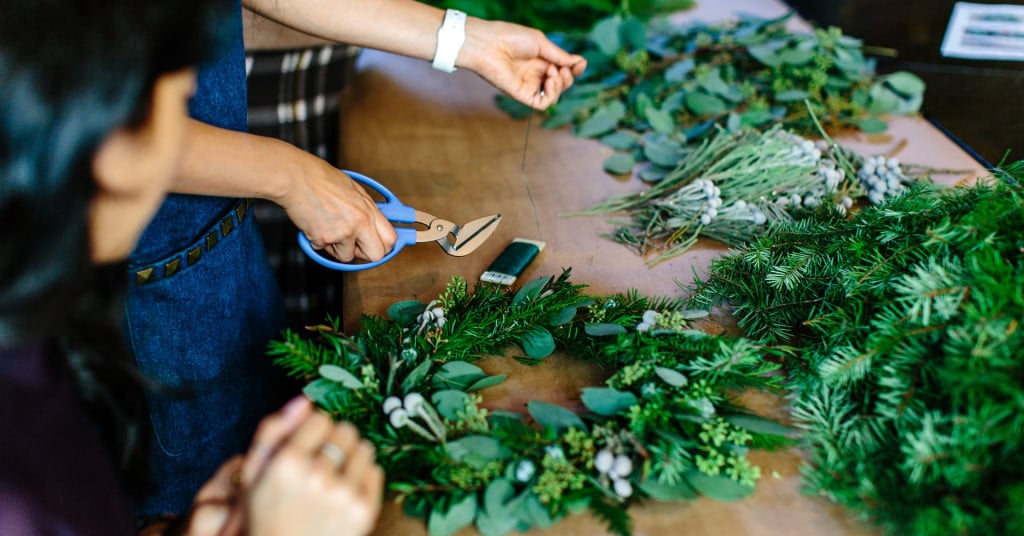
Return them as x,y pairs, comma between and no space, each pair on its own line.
520,61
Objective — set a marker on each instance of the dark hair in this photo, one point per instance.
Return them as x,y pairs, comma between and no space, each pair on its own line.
72,72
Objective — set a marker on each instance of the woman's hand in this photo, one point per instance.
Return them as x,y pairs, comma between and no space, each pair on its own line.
520,61
307,475
337,215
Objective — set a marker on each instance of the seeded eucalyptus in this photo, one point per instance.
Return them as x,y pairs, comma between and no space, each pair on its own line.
652,88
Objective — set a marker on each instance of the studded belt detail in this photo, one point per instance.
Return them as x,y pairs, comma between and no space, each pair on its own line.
192,255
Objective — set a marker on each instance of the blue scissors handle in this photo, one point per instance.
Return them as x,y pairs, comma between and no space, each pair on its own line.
393,209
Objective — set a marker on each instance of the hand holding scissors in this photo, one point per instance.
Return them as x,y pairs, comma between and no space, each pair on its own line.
455,240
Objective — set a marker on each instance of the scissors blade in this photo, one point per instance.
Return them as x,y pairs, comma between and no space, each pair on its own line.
470,236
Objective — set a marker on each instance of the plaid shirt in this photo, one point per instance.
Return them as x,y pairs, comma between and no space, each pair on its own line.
294,96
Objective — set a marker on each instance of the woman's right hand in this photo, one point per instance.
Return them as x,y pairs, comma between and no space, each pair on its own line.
305,474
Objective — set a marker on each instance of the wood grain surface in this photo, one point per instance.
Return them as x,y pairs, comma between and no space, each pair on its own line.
439,143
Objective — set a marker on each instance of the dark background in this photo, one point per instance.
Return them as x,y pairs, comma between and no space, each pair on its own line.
978,102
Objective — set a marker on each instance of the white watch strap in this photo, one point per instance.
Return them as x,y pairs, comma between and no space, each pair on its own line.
450,37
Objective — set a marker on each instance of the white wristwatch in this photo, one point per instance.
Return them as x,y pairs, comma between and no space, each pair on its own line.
450,37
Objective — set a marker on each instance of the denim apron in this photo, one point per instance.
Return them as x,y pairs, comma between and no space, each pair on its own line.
202,306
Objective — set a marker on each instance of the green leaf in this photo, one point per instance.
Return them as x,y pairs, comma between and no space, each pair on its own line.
602,330
458,374
607,401
340,375
758,424
605,35
662,151
703,104
622,140
416,376
766,53
319,390
680,491
554,417
871,125
404,312
756,118
484,383
661,121
563,317
459,516
883,100
678,71
795,56
906,84
478,450
671,376
719,487
530,291
449,402
791,95
538,342
619,163
497,497
495,525
633,33
533,513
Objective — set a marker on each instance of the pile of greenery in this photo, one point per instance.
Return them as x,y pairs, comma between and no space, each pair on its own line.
663,426
563,16
910,384
651,88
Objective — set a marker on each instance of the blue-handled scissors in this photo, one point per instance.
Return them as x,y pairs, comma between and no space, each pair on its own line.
455,240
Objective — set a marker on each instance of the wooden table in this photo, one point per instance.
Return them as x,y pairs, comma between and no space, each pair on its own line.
441,145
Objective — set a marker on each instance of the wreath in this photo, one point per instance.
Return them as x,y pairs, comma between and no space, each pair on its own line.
664,426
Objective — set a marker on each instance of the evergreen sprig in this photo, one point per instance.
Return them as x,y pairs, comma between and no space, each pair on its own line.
909,382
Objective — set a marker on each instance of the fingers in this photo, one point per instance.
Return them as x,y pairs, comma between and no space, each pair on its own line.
213,509
273,431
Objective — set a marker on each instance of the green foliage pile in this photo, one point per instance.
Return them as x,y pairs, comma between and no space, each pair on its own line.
663,426
653,87
910,383
564,16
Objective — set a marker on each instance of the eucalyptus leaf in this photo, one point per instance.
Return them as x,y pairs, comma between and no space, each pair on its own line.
416,376
319,390
477,450
563,317
679,491
530,291
906,84
633,33
607,401
602,329
622,140
756,118
337,374
703,104
495,525
662,151
872,125
449,402
497,496
883,100
795,56
458,516
660,120
671,376
718,487
791,95
766,53
653,173
405,312
619,163
484,383
679,70
758,424
606,36
532,512
552,416
458,374
538,342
